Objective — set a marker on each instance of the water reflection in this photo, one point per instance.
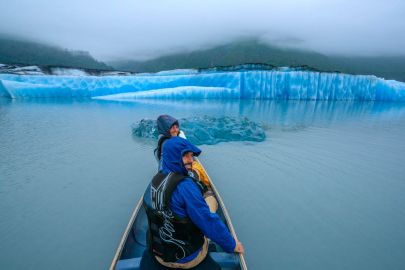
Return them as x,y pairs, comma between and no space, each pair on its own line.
72,166
286,115
270,112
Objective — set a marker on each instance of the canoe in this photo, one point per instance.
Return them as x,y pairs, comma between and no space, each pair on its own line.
133,241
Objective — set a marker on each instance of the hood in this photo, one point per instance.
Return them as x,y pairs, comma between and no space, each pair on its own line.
173,150
164,123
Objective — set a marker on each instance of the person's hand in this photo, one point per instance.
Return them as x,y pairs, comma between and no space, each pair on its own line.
239,247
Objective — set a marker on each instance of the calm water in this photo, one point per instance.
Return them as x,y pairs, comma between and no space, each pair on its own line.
326,190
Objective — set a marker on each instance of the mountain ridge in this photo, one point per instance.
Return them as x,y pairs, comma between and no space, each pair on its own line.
15,51
252,51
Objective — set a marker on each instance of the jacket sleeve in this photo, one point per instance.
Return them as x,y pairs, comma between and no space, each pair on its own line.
198,211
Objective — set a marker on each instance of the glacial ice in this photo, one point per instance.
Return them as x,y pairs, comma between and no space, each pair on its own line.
68,71
207,129
177,72
3,91
280,84
181,92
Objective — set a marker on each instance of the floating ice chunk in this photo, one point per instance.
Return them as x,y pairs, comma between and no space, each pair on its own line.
208,129
68,71
115,73
28,68
177,72
21,70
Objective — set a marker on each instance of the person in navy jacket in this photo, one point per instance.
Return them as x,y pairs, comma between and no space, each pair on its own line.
167,127
180,221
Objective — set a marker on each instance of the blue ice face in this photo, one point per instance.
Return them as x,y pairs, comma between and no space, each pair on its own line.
288,84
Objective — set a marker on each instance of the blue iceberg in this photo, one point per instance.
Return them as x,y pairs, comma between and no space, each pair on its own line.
207,129
276,84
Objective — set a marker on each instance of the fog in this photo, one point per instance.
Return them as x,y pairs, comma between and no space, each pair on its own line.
131,29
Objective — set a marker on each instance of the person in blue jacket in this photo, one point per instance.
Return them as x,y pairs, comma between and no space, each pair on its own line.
180,221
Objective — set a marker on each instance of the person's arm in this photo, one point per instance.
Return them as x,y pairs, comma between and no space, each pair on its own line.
199,213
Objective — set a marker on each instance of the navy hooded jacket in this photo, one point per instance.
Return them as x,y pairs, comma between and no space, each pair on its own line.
164,123
187,200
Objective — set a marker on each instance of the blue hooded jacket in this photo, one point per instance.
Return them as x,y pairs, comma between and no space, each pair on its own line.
172,154
187,200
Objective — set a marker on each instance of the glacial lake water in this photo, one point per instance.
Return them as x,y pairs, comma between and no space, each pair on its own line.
325,190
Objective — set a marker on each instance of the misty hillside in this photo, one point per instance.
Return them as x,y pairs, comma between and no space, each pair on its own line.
255,52
227,55
13,51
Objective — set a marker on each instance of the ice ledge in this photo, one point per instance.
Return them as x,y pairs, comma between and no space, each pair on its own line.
181,92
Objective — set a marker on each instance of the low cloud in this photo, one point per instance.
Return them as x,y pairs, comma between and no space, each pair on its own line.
132,29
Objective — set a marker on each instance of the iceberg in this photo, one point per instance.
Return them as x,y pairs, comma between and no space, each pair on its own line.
265,84
68,71
207,129
176,72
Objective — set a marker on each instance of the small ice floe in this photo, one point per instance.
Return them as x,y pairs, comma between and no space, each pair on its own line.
68,71
208,129
20,70
177,72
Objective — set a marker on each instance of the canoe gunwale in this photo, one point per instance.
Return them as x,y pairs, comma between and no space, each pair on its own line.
227,217
126,232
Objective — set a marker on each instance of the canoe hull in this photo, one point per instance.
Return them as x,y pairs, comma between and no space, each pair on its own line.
133,242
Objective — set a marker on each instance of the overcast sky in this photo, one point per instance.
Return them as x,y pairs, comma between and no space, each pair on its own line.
118,29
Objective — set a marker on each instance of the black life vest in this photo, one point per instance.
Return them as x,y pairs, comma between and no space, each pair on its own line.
170,237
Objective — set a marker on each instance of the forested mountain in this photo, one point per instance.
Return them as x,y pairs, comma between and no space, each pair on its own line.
15,51
252,51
